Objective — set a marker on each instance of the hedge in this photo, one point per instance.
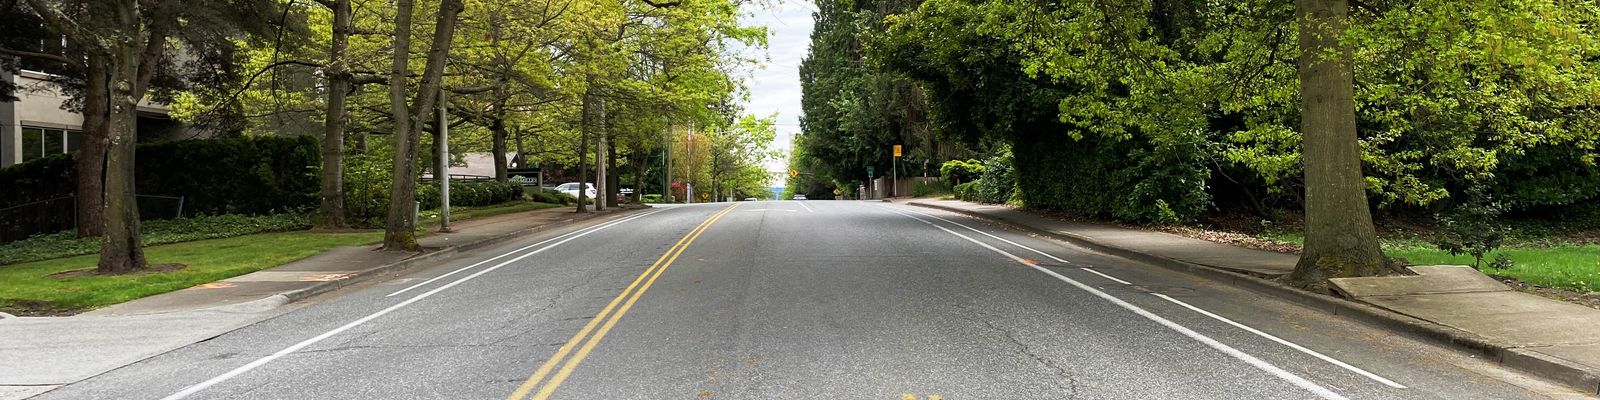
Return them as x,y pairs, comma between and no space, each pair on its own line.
214,176
366,191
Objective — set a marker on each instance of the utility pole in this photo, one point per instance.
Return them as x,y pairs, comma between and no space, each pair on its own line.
666,181
443,174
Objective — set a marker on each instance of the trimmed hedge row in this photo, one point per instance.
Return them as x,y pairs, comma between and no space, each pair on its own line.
469,194
250,176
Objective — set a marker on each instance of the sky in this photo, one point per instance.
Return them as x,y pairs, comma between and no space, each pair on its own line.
775,87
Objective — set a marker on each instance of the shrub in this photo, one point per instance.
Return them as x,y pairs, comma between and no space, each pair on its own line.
958,171
652,198
964,191
551,196
924,189
366,190
251,176
1474,228
999,179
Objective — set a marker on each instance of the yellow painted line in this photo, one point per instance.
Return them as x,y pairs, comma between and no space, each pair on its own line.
572,363
538,375
908,396
935,397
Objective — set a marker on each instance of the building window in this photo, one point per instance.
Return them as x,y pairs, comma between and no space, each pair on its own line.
38,142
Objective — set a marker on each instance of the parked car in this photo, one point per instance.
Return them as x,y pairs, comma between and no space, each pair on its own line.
799,197
571,189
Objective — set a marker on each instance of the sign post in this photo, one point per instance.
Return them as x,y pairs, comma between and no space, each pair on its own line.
894,173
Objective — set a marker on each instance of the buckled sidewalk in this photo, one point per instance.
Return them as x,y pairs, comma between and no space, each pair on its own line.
41,353
1452,305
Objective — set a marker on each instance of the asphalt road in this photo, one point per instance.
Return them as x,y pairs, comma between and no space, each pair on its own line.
804,300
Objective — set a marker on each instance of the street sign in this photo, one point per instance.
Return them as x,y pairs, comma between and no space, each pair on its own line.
869,170
705,196
836,192
793,173
897,150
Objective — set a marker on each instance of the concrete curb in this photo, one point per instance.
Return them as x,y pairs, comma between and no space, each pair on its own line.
1537,364
425,258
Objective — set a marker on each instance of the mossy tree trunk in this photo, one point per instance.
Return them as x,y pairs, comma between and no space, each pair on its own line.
1340,239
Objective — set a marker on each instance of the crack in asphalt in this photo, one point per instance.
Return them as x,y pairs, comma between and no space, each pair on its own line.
551,303
1071,387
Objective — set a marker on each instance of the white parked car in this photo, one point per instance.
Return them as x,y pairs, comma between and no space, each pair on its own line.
571,189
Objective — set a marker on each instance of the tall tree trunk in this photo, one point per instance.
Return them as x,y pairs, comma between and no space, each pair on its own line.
641,166
498,128
1340,239
602,189
91,163
330,213
401,230
120,250
614,175
586,125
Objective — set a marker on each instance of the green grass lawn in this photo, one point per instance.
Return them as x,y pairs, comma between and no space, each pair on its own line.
1574,267
30,289
1570,266
465,213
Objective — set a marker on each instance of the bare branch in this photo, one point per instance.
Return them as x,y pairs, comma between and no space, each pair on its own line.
663,4
28,54
58,19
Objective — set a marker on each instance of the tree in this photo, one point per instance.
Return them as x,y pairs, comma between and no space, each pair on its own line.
125,43
1340,238
330,208
400,233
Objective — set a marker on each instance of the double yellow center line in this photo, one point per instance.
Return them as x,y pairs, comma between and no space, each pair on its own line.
631,294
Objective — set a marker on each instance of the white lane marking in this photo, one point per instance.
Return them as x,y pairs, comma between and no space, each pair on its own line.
803,204
1291,345
1112,278
607,225
1052,257
1303,383
769,209
186,392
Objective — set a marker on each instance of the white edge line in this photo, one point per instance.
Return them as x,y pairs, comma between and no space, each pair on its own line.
1303,383
196,388
1112,278
1052,257
607,225
1208,314
803,204
1291,345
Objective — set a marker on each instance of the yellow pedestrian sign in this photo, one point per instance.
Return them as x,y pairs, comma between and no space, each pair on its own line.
836,192
793,173
897,150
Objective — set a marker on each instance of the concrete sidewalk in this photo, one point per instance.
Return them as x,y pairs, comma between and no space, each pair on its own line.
41,353
1458,305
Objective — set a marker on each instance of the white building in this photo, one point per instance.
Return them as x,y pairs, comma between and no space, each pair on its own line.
37,125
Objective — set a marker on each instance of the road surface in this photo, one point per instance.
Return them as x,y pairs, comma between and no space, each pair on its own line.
804,300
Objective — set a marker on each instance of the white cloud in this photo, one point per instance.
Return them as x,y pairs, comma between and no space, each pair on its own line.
776,87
